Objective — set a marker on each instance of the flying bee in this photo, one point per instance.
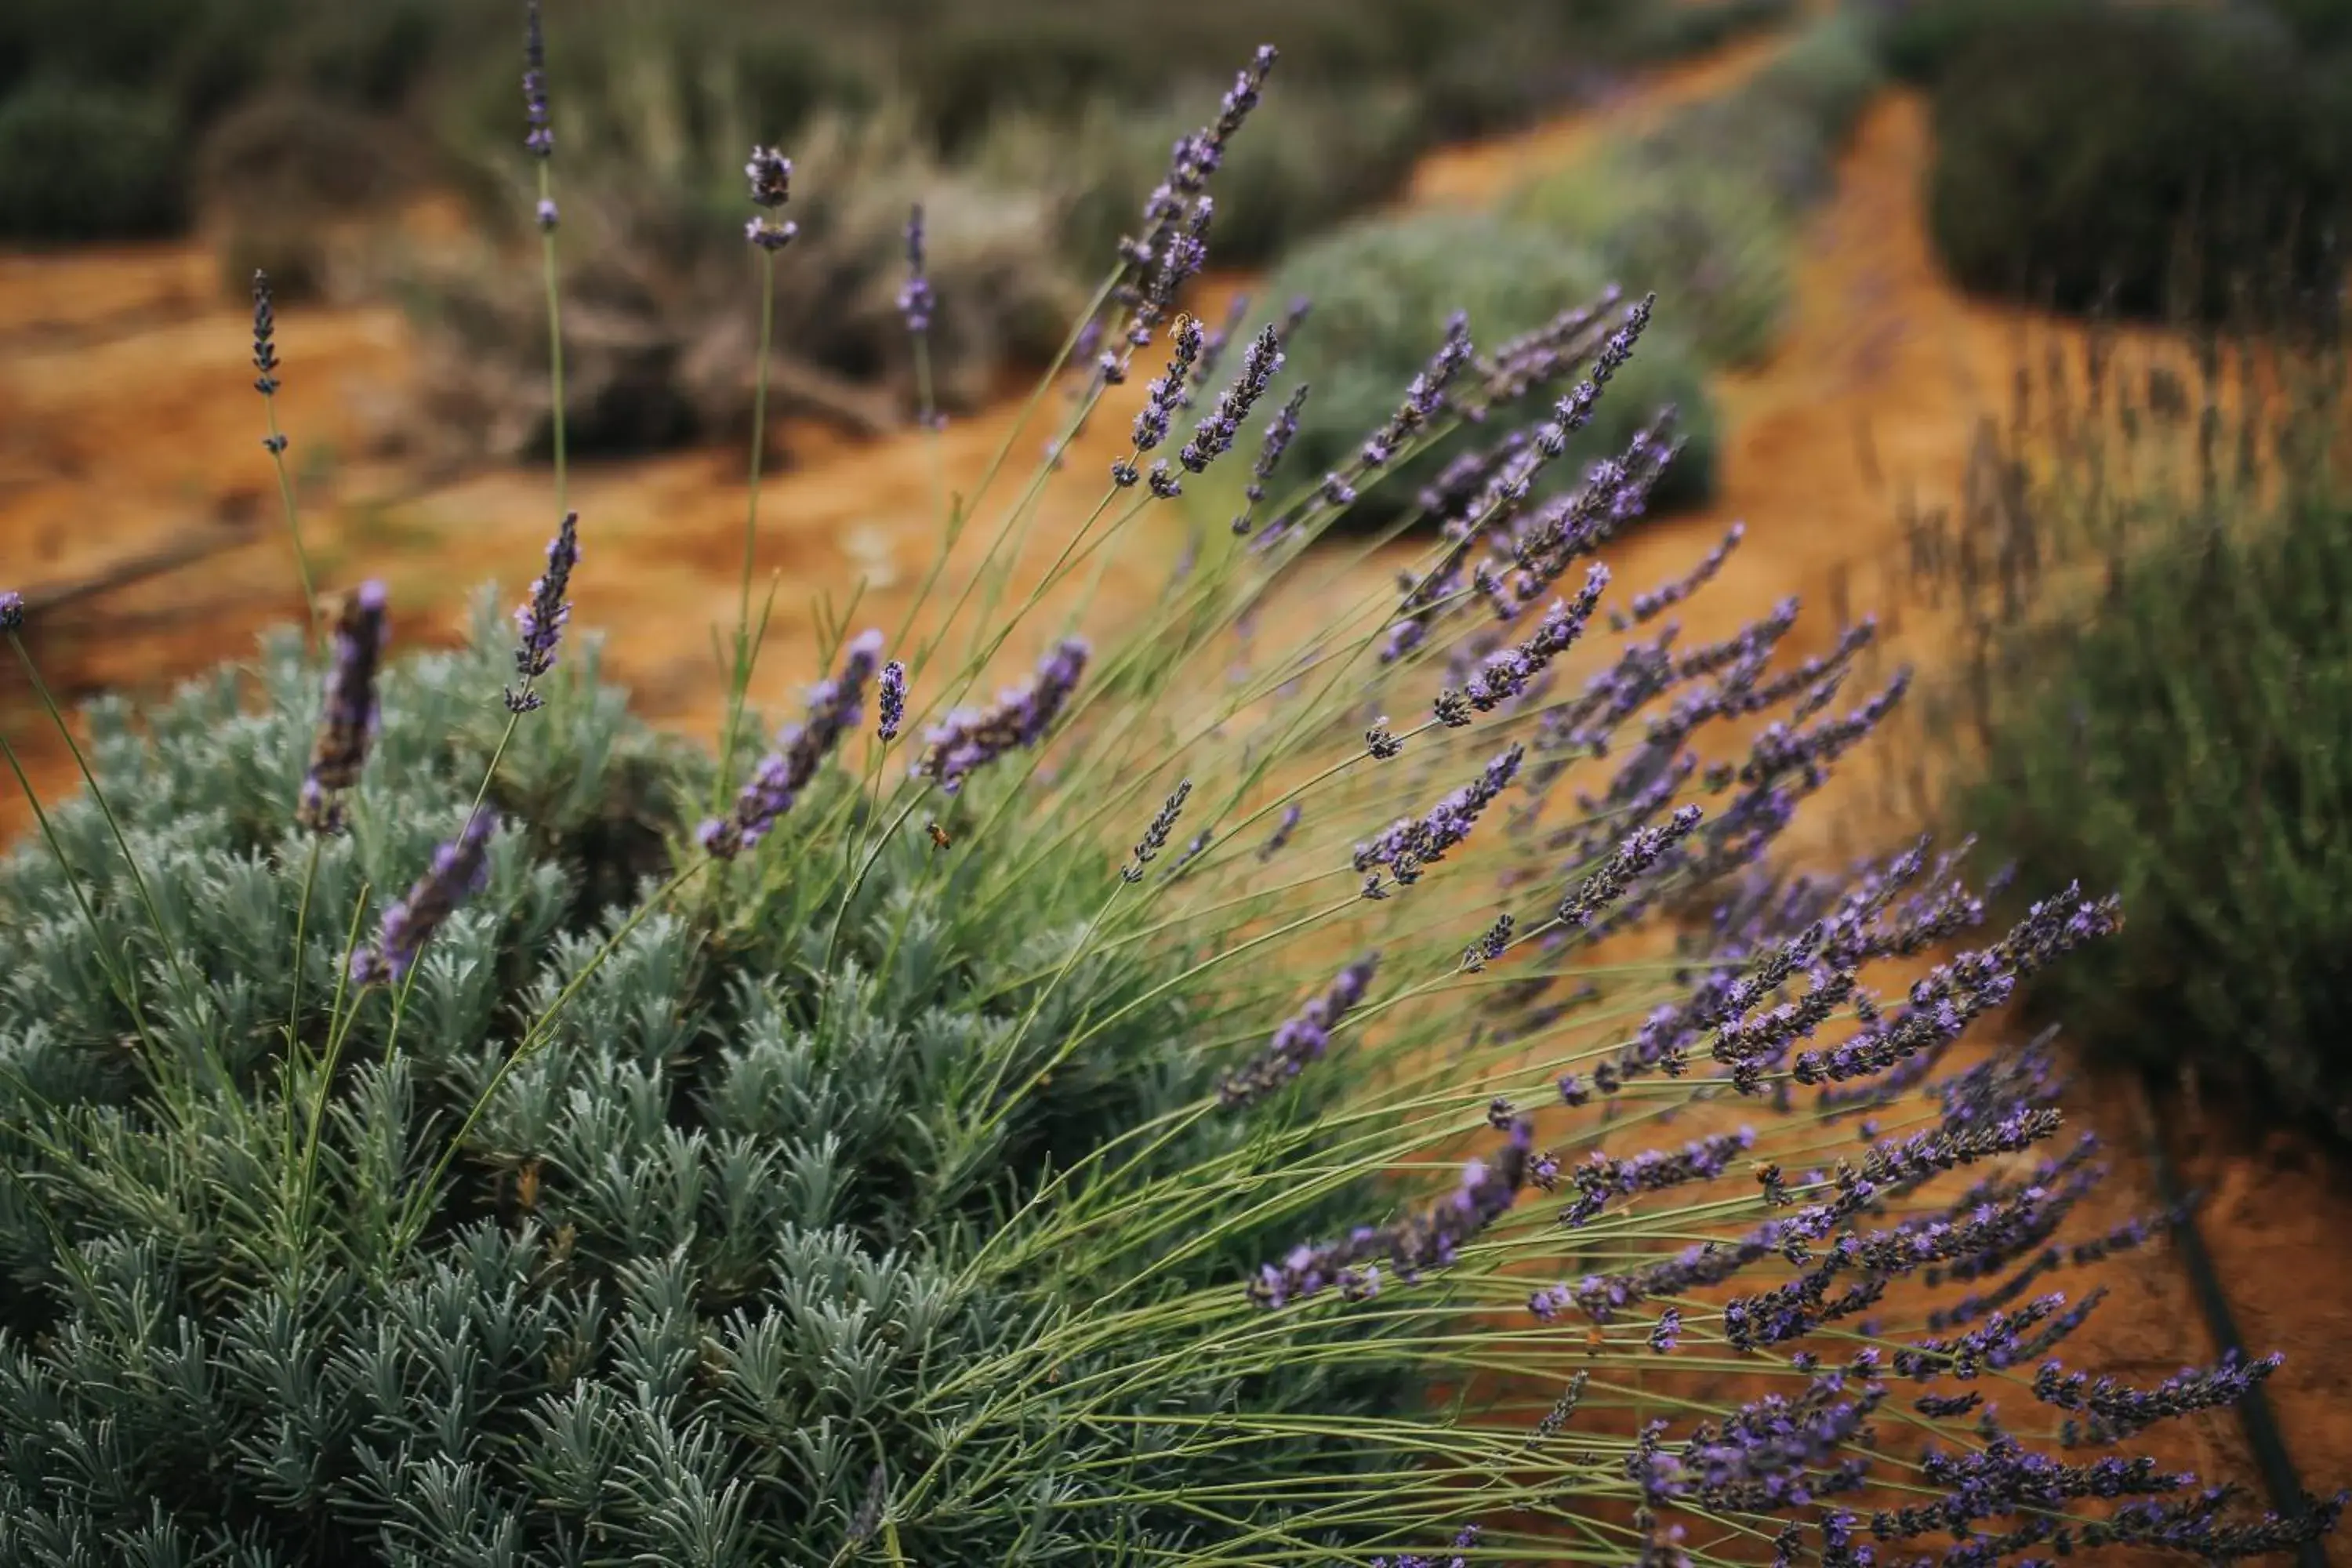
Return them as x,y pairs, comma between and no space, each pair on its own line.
939,840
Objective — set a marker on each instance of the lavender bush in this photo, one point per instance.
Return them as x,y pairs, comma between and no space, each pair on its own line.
999,1143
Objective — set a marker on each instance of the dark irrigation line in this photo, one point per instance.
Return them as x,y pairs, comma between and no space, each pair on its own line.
2279,1478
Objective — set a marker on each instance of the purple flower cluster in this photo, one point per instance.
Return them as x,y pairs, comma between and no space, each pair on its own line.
458,872
1412,1245
770,176
1507,673
1411,843
890,693
12,610
1302,1039
540,141
1161,398
970,738
540,620
1280,431
916,300
265,328
1640,851
1261,362
1649,607
1282,829
1171,247
348,721
1425,399
836,707
1463,1543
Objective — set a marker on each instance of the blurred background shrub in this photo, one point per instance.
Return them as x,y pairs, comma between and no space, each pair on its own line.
1382,291
82,162
2159,678
2168,157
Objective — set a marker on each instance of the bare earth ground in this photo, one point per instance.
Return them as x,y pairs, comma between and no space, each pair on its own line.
127,427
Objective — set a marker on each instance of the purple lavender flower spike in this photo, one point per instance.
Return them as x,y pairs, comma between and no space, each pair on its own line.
970,739
540,620
770,174
1508,672
1282,829
891,691
265,327
348,722
1280,431
1301,1040
836,707
12,610
916,300
1161,396
1463,1542
1412,1245
458,870
540,141
1409,844
1425,396
1261,362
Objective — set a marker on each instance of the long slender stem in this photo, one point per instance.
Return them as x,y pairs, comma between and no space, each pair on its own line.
739,676
277,447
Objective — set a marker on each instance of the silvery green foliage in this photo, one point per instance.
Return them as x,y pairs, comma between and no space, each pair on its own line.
696,1291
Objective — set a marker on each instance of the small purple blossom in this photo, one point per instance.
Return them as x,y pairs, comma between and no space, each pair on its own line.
347,722
1508,672
1301,1040
1425,396
970,739
890,691
458,872
770,176
1161,397
835,708
540,620
12,610
916,300
1155,837
1461,1543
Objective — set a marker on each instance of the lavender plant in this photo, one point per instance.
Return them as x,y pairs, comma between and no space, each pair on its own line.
904,1169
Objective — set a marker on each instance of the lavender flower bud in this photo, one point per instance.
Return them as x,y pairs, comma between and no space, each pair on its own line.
1280,431
770,174
1281,832
834,708
545,215
1161,397
1155,837
457,870
540,620
541,139
891,691
970,739
1301,1040
1260,363
1410,845
915,299
348,721
12,610
265,327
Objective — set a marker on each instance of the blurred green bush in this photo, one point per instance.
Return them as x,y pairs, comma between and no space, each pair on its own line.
1682,209
1382,291
86,163
2170,155
2187,751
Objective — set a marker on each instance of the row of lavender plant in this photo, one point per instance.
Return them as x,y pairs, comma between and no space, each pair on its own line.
1700,1232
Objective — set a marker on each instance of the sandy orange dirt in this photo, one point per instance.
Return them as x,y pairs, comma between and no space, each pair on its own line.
127,429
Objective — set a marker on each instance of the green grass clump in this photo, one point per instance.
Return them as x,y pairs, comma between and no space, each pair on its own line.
1381,291
2161,158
